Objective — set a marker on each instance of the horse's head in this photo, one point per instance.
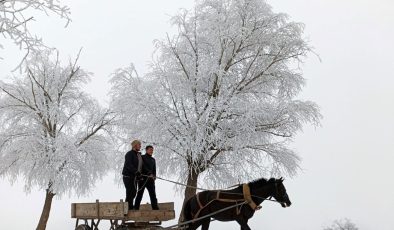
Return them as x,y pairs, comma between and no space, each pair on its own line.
280,194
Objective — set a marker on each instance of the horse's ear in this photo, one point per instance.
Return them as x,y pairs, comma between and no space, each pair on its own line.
281,179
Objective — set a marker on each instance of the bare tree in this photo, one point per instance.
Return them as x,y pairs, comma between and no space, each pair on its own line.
343,224
15,16
220,99
52,133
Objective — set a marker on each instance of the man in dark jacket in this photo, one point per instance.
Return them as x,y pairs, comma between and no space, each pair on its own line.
149,180
132,170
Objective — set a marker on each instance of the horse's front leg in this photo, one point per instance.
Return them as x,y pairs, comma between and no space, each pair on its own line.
244,223
205,224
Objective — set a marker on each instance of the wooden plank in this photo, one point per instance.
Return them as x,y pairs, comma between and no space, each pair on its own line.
99,210
119,211
162,206
151,215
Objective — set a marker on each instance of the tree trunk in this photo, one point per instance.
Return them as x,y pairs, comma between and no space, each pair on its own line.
190,191
42,224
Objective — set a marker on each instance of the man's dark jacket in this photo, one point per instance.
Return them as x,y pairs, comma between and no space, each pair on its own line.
149,165
130,167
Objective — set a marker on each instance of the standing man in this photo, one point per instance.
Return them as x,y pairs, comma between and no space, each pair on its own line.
149,180
132,171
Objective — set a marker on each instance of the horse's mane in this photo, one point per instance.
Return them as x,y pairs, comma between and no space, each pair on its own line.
260,182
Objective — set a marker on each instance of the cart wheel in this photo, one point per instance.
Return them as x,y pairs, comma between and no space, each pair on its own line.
83,227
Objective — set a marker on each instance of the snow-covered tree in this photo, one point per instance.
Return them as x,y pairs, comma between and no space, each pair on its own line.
15,16
344,224
52,135
220,98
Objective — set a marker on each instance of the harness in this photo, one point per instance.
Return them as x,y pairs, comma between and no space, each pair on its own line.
247,197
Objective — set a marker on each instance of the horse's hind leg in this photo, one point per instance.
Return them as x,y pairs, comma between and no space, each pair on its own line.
205,224
194,226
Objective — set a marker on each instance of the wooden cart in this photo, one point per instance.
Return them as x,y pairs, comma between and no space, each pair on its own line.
89,215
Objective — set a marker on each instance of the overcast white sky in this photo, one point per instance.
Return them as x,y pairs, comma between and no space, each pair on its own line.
347,163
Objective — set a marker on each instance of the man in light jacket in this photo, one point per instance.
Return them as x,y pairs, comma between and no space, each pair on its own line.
132,170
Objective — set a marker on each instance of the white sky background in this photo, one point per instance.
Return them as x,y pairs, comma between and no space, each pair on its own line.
347,163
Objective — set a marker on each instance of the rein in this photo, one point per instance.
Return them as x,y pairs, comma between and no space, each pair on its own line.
224,192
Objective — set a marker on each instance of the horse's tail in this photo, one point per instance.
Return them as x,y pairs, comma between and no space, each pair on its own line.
187,211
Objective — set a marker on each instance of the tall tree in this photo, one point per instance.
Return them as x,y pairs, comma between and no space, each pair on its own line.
52,133
15,16
220,99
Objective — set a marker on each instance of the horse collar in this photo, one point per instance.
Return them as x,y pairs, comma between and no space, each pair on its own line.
248,197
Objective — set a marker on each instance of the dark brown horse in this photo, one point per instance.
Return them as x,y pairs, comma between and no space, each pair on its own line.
248,196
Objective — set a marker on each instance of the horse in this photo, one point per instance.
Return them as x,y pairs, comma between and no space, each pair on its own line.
245,199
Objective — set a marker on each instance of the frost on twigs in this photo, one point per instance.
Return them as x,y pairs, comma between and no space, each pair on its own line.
16,15
53,135
343,224
220,97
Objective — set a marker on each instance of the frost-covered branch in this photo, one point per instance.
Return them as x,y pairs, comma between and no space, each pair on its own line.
15,18
104,121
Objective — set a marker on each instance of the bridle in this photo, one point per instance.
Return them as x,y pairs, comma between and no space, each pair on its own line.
276,192
269,198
